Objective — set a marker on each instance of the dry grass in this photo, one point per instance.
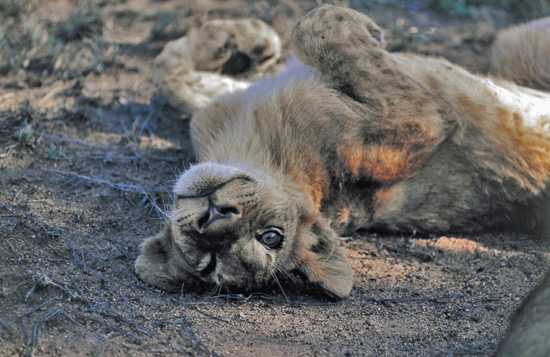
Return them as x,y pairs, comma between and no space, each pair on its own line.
68,48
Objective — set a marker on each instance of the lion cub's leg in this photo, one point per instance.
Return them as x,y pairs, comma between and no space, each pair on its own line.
344,45
347,48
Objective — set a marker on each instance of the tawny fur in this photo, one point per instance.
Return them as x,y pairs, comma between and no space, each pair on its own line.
521,54
351,138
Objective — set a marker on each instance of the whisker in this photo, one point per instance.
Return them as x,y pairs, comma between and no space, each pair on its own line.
214,290
287,275
280,287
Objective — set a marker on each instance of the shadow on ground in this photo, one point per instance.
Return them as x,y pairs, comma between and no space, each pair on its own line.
86,167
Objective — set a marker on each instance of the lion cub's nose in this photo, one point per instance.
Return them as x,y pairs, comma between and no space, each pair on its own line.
225,214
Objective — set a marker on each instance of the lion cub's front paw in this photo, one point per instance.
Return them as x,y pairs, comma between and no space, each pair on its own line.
157,265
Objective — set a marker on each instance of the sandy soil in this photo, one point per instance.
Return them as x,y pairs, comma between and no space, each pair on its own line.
86,165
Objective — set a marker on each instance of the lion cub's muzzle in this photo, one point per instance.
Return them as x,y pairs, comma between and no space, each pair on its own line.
218,217
217,227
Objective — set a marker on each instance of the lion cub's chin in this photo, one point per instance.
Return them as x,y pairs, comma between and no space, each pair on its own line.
240,228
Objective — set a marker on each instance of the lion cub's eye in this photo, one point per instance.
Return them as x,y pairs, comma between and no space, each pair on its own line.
271,238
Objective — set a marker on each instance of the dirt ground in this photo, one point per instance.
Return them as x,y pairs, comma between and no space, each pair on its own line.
87,157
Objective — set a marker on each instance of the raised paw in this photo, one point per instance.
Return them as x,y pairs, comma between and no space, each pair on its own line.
346,46
328,32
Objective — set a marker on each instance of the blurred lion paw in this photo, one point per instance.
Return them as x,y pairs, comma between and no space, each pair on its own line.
220,57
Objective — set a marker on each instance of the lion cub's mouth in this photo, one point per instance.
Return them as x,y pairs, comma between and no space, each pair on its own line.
206,268
207,264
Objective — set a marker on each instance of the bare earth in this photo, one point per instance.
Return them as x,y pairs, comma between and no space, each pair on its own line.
86,165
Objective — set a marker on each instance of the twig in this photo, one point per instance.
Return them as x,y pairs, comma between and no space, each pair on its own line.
106,155
124,187
11,247
12,212
152,114
36,308
41,280
75,256
104,310
39,325
4,326
109,155
7,150
116,327
33,222
147,194
196,343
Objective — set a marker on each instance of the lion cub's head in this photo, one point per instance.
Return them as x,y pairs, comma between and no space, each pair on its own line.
240,229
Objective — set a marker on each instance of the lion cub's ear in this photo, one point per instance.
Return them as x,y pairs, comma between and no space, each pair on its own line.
323,262
154,265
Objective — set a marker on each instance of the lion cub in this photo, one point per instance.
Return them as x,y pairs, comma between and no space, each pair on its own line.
349,138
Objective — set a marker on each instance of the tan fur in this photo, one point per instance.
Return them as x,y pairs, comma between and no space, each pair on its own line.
310,175
521,54
351,138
